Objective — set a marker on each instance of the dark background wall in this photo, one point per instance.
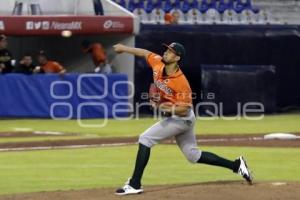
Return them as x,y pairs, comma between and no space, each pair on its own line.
67,51
228,45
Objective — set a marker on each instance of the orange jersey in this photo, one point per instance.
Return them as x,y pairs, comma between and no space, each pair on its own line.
173,88
97,52
168,18
52,67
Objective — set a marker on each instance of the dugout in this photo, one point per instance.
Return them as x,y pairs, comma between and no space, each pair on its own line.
31,33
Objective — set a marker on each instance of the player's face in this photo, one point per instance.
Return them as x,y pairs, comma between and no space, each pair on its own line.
27,60
41,59
170,57
3,44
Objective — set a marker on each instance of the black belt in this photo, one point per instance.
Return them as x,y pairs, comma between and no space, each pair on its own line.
167,114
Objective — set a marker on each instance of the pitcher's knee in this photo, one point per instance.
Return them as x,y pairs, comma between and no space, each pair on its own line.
147,141
192,155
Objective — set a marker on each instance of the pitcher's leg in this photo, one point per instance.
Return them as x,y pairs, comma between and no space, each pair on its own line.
238,166
188,144
142,159
213,159
159,131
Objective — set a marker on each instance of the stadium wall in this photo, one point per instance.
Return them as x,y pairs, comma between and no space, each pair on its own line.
69,96
228,45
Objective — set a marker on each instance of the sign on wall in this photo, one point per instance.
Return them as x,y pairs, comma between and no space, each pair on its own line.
54,25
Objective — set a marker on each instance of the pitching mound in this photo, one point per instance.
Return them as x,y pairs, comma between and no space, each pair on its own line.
209,191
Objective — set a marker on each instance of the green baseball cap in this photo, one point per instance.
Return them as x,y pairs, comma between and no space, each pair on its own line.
176,48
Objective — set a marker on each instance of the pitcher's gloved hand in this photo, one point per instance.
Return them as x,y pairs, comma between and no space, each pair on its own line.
154,93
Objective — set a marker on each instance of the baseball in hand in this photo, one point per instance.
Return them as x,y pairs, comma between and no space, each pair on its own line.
119,48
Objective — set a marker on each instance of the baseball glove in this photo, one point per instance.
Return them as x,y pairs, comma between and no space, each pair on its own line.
154,95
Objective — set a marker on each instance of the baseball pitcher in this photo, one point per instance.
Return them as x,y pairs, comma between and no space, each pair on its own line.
176,103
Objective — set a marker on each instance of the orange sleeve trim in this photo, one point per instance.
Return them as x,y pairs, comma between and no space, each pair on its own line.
57,67
148,58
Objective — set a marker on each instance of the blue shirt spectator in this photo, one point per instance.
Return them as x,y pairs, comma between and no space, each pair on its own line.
134,4
189,4
171,4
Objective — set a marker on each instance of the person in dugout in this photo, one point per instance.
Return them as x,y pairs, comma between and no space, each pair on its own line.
48,66
98,55
6,59
26,65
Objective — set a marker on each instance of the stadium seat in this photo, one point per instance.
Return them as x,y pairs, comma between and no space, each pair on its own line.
241,5
157,16
188,5
264,17
134,4
212,16
207,4
245,4
121,3
225,5
152,4
181,18
230,17
247,16
193,16
171,4
141,13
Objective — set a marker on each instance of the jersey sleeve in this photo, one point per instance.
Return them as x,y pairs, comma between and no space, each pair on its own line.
154,60
57,67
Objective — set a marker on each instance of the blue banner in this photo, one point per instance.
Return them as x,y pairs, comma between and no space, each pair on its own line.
69,96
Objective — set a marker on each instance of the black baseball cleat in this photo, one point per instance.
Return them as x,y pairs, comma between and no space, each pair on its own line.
244,171
127,189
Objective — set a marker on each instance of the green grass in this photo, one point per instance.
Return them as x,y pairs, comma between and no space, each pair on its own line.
117,128
33,171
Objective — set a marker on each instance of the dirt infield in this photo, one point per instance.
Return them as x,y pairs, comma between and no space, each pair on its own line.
33,134
210,140
235,190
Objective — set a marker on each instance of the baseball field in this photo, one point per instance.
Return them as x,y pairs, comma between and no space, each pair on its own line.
49,160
